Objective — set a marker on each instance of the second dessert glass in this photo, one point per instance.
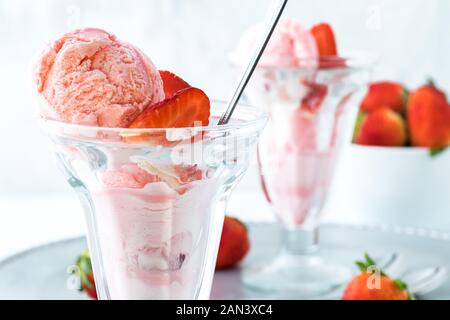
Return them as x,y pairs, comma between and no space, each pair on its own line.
155,199
311,112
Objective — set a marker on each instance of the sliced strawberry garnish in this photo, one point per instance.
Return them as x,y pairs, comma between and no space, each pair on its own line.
188,108
172,83
314,98
187,174
330,62
177,176
325,40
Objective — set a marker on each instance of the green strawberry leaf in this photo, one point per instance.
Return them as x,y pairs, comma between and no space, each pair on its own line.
431,82
359,121
369,260
85,268
404,287
434,152
371,263
400,284
405,97
361,265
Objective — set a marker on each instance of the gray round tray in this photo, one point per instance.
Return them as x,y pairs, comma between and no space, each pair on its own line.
42,272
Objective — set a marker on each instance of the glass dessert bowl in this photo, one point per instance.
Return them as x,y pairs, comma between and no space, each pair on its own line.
311,112
155,199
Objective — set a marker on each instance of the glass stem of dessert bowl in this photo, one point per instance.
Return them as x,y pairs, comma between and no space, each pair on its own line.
155,199
311,115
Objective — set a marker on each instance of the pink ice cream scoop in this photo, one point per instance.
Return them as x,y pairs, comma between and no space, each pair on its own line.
291,45
90,77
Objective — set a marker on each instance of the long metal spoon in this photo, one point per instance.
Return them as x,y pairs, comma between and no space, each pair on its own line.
248,72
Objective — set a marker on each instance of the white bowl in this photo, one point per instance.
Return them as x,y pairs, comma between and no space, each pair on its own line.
395,186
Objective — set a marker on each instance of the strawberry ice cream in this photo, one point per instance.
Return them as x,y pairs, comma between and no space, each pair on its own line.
90,77
152,245
149,234
297,151
154,205
291,45
306,88
154,211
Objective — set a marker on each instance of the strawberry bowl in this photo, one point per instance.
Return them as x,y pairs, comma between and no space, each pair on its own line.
393,186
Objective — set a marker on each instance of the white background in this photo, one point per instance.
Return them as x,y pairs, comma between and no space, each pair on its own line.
191,38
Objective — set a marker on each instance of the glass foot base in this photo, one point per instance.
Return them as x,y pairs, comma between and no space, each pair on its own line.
297,277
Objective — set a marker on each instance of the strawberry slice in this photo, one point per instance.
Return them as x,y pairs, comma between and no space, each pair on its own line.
172,83
325,40
188,174
330,62
189,107
177,177
314,98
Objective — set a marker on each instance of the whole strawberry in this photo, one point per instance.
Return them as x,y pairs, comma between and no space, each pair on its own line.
382,127
385,94
86,275
234,244
429,117
373,284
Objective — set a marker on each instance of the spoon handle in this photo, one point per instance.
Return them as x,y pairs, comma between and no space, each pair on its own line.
245,78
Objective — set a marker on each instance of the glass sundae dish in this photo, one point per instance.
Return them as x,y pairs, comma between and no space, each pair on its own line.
309,93
145,155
